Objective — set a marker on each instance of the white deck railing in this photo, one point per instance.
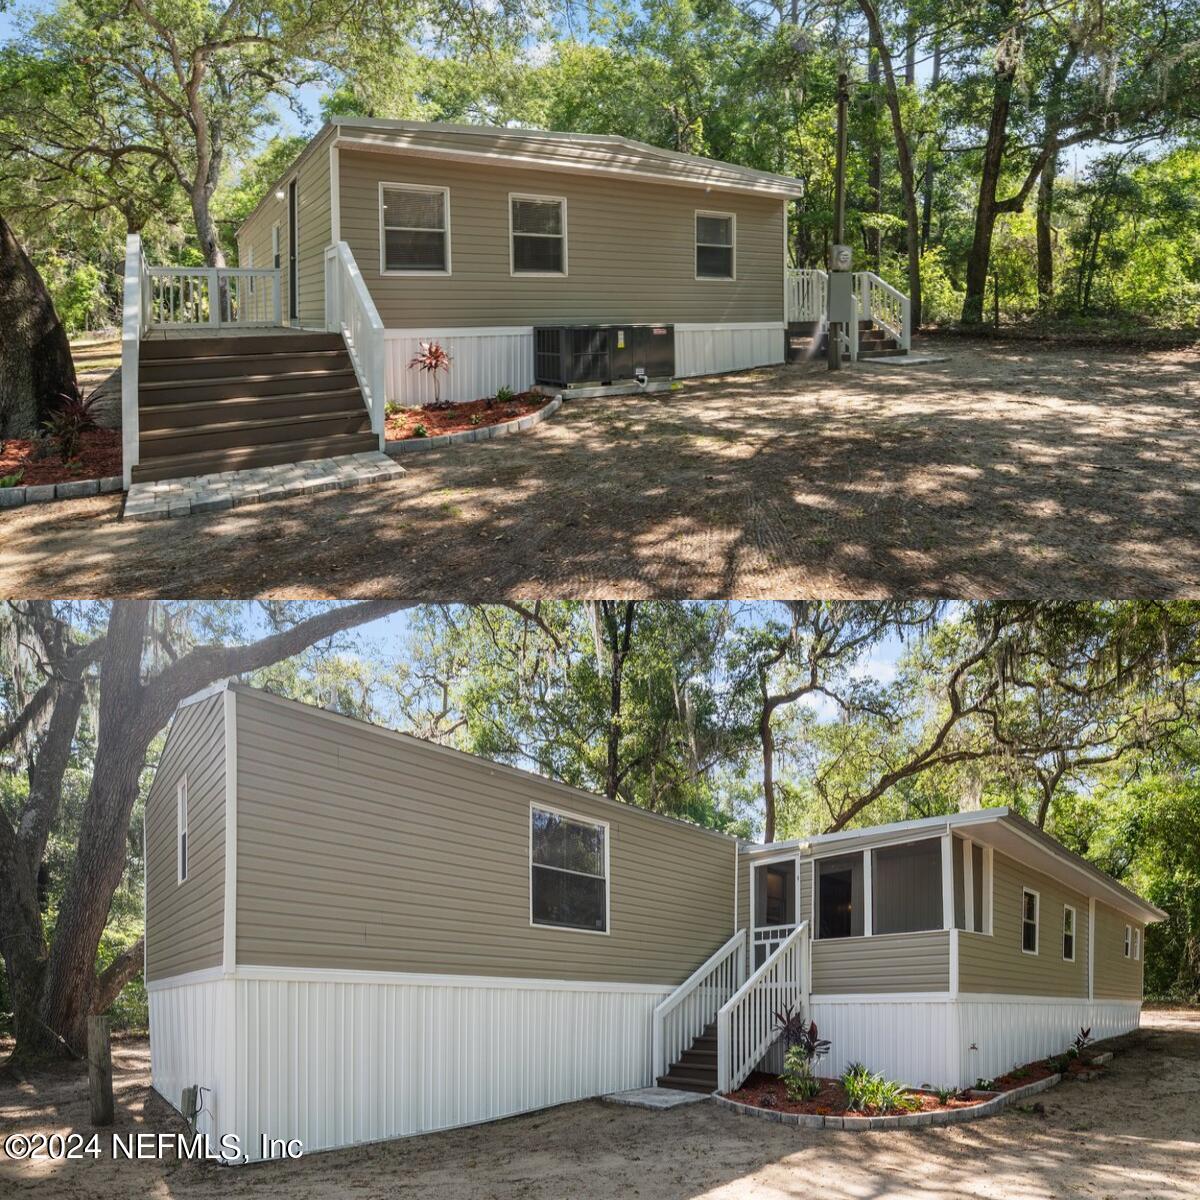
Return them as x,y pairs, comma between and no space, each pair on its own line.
134,307
746,1024
693,1005
886,306
350,311
218,297
806,295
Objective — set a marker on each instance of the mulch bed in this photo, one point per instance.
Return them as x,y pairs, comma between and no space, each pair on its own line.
457,417
767,1091
99,457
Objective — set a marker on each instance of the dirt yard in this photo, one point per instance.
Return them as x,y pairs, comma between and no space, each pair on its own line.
1011,468
1133,1133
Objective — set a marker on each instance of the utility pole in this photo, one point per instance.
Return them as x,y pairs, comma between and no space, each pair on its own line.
839,214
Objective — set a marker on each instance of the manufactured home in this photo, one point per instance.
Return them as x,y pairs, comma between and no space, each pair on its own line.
353,934
532,257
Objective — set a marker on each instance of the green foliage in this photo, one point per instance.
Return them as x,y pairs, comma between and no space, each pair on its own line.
420,431
131,1009
13,480
798,1078
868,1091
504,395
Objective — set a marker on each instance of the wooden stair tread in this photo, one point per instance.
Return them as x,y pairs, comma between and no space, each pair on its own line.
253,401
178,466
250,424
162,385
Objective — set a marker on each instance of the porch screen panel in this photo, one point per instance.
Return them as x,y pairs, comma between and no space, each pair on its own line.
906,887
414,230
568,872
840,896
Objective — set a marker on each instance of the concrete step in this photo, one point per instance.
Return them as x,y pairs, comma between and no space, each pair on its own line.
181,466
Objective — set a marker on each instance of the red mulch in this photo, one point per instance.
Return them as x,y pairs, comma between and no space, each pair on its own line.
457,417
768,1091
99,457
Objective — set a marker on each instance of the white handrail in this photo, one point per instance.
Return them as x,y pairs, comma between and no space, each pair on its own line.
133,326
886,306
806,294
691,1007
351,311
746,1022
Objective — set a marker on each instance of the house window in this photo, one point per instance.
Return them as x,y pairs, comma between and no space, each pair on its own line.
275,258
1068,933
414,227
1128,940
906,887
1137,943
839,896
181,826
714,245
568,871
539,235
1029,920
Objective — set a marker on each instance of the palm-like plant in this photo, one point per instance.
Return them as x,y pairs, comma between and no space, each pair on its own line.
434,359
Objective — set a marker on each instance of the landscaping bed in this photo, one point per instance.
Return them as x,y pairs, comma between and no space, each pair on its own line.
430,421
99,456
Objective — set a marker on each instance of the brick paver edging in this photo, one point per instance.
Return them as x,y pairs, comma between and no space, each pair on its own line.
71,489
947,1116
404,445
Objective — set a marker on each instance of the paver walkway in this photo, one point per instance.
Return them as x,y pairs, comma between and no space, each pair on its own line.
256,485
1009,469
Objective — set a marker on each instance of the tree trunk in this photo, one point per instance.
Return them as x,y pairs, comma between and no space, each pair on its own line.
979,257
620,637
35,356
1045,234
875,165
927,181
767,737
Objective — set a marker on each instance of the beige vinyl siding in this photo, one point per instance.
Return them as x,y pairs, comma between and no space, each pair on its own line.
630,249
744,913
361,849
998,964
806,891
185,921
1116,977
894,962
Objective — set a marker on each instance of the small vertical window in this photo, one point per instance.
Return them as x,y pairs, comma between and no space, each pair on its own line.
415,224
539,235
275,258
181,821
1068,933
1128,941
1029,921
714,245
568,871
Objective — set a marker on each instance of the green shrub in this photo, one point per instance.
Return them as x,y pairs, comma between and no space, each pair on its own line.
798,1079
866,1089
420,431
504,395
11,480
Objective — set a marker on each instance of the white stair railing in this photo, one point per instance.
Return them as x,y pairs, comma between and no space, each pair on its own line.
691,1007
134,308
886,306
350,311
806,294
746,1022
219,297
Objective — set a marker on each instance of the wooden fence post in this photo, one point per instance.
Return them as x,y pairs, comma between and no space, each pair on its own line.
100,1071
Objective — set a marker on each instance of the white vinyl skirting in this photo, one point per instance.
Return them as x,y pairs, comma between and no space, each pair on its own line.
339,1063
485,360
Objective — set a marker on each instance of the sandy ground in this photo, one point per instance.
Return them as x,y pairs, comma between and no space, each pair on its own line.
1010,469
1133,1133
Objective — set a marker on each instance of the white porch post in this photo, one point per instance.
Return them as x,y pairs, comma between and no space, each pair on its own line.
868,895
968,883
947,880
133,321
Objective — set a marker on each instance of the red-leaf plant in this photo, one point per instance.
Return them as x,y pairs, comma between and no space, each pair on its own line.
432,358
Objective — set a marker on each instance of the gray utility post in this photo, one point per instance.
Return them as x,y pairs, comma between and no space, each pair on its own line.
839,253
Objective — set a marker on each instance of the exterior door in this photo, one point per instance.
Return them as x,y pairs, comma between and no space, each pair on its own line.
774,907
293,273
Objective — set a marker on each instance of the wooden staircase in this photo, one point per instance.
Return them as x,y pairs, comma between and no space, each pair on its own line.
873,341
209,404
696,1070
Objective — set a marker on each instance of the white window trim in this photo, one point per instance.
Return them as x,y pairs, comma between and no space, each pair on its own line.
582,820
1128,941
182,855
512,256
711,212
409,272
1070,908
1037,920
1137,944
